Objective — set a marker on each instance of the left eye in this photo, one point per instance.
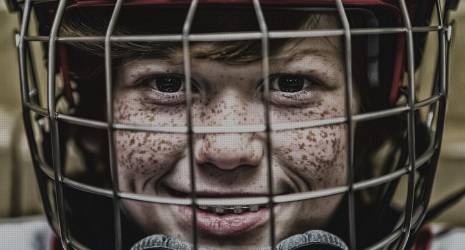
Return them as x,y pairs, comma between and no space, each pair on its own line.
289,83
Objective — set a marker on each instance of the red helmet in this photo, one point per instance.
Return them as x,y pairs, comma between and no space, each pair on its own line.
305,112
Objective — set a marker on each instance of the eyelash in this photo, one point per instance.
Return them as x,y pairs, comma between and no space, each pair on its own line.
298,98
292,98
158,97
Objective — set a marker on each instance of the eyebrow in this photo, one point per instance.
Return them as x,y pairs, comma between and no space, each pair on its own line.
297,55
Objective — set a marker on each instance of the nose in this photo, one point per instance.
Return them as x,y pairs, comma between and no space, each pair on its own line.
228,151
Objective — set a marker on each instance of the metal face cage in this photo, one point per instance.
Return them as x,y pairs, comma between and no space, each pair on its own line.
45,130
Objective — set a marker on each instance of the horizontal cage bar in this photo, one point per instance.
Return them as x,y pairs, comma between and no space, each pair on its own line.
238,129
237,36
258,200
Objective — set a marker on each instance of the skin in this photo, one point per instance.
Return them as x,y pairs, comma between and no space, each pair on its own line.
230,95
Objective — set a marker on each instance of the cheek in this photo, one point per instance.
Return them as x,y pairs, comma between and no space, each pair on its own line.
317,155
147,154
130,106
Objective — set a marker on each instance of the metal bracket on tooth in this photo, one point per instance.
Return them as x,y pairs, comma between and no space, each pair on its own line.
230,209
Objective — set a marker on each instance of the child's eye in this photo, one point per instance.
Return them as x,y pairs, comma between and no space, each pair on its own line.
293,90
165,83
289,83
166,89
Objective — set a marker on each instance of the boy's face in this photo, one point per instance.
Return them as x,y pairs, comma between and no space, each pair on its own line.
307,83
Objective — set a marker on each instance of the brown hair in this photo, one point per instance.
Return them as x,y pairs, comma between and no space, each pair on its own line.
93,22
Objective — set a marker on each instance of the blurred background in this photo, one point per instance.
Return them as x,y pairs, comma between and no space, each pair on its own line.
19,194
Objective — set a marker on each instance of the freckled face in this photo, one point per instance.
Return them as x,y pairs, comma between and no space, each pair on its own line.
306,84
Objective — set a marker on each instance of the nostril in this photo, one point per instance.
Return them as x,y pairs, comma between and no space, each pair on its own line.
226,160
210,166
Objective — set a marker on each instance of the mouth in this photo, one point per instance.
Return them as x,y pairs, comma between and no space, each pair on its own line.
222,220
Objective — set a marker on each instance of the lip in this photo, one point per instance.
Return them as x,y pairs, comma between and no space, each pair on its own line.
227,224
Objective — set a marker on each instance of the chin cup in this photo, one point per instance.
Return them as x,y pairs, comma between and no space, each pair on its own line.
310,240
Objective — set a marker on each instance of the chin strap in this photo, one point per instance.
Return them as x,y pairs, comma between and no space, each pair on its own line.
310,240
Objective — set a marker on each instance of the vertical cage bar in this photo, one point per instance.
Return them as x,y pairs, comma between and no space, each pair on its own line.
23,49
266,95
442,49
190,134
110,129
33,75
51,103
350,123
444,69
437,88
439,80
22,52
411,126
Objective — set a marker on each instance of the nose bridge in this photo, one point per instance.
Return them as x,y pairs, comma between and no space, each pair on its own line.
229,107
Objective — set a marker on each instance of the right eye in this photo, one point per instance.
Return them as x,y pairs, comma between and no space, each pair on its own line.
166,89
165,83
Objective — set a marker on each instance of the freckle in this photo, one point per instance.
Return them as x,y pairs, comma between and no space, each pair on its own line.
324,134
304,157
310,112
131,142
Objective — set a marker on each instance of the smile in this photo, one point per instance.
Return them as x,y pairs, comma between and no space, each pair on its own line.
222,220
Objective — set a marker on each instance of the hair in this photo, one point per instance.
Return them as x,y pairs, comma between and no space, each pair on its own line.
77,24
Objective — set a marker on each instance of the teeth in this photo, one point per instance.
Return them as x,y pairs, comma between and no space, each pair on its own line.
237,210
219,210
231,209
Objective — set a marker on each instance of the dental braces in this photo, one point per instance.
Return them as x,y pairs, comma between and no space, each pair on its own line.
231,209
